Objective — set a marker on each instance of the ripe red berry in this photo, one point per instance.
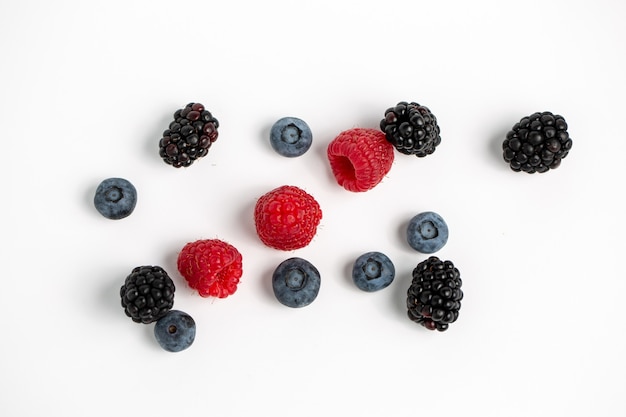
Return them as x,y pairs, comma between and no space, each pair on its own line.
212,267
286,218
360,158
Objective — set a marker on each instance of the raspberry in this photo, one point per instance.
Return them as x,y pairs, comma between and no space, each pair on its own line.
360,158
211,266
286,218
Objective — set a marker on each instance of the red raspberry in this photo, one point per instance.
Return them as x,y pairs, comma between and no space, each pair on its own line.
211,266
286,218
360,158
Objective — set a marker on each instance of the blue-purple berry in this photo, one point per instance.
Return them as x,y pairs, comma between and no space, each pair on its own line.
115,198
373,271
175,331
427,232
296,282
290,137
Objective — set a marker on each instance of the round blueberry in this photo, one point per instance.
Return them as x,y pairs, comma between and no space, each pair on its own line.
373,271
290,137
296,282
175,331
115,198
427,232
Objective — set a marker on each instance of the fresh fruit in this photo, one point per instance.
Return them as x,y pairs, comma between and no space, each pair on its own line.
115,198
537,143
411,128
296,282
147,294
373,271
286,218
211,266
189,136
360,158
434,297
290,137
427,232
175,331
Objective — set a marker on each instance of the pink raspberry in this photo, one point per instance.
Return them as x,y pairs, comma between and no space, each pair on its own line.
360,158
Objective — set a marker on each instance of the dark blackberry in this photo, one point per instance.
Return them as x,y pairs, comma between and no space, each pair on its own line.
189,136
147,294
434,297
537,143
411,128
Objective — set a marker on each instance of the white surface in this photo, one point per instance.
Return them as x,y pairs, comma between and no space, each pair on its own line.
86,89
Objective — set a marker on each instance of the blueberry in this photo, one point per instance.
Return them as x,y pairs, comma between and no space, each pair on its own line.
175,331
290,137
296,282
115,198
373,271
427,232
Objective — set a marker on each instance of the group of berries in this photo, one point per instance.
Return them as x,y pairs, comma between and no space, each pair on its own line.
287,217
212,267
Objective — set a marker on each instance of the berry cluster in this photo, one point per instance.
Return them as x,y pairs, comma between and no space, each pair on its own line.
147,297
189,136
287,217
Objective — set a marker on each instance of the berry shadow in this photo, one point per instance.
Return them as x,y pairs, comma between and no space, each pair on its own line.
266,283
265,134
246,220
495,144
154,135
399,288
88,197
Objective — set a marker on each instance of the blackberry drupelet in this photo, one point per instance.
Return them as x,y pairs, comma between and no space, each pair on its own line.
411,128
434,297
147,294
537,143
189,136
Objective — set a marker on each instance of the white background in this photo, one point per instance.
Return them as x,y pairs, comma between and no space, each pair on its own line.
86,89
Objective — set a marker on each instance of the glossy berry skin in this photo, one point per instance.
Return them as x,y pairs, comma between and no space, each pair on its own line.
115,198
147,294
537,143
373,271
286,218
291,137
189,136
411,128
296,282
427,232
211,266
175,331
360,158
434,297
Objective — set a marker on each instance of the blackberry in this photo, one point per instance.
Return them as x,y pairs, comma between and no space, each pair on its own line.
147,294
537,143
189,136
411,128
434,297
